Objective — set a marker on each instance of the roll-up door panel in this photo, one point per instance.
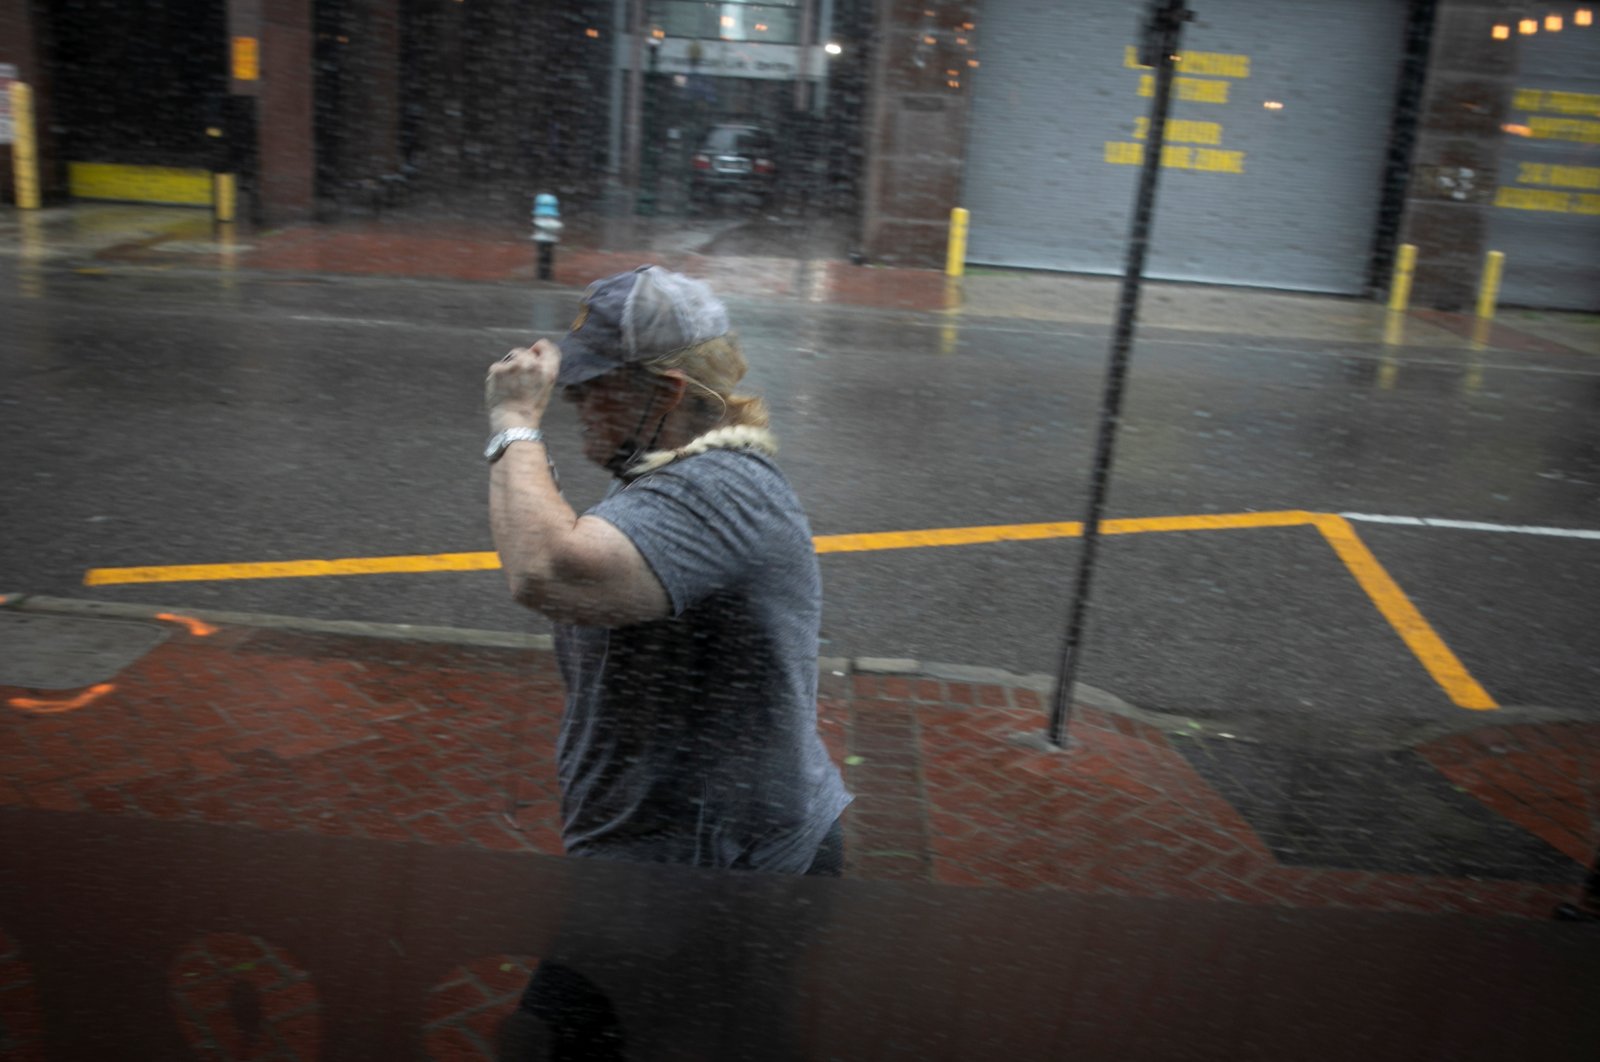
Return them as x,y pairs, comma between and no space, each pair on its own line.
1275,153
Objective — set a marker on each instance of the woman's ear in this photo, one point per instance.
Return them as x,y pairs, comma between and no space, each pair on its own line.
676,385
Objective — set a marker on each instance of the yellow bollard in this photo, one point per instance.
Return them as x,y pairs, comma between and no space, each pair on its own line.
1494,264
955,262
1400,287
24,147
224,195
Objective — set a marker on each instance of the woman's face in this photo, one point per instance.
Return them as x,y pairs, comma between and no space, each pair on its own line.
613,408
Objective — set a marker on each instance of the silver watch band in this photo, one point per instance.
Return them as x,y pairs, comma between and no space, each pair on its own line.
497,445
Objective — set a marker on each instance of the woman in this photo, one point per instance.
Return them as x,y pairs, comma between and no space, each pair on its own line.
686,603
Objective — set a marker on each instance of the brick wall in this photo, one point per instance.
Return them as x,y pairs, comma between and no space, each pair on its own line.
1454,165
917,129
287,146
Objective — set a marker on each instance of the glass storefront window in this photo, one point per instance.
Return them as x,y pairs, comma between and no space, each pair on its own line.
773,22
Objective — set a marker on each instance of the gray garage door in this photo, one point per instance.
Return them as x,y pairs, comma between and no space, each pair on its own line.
1547,209
1275,152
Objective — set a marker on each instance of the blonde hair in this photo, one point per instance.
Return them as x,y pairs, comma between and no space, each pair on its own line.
714,368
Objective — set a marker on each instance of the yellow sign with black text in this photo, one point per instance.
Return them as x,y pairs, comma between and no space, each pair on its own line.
1202,78
1549,187
246,59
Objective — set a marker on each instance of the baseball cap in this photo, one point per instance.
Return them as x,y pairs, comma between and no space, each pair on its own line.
635,318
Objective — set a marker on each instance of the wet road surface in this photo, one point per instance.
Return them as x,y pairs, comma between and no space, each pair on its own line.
154,419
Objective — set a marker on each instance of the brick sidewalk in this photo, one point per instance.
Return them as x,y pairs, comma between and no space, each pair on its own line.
416,741
482,252
479,252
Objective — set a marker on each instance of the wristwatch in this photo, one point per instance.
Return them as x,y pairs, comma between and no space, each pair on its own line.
498,444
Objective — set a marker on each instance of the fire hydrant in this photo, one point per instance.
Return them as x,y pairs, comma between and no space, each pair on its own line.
546,231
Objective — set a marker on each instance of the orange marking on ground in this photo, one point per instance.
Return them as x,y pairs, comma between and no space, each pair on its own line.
198,628
39,706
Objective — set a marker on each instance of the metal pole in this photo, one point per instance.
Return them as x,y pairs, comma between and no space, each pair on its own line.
616,139
1162,37
819,40
807,48
635,116
650,133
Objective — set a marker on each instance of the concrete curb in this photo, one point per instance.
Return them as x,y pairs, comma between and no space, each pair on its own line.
115,610
836,667
971,318
467,636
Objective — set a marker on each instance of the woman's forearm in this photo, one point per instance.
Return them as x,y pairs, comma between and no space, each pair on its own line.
529,519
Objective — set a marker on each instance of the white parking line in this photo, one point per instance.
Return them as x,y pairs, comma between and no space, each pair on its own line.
1473,525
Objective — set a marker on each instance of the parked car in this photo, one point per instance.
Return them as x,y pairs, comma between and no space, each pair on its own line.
734,157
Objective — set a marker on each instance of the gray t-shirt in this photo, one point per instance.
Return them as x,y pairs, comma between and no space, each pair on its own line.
694,739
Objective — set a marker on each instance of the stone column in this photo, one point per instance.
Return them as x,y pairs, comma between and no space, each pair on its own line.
917,128
1455,165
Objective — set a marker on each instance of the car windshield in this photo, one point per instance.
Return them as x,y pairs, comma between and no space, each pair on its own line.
1074,532
737,140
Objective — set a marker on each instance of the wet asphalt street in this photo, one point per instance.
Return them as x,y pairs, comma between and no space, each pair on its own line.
163,419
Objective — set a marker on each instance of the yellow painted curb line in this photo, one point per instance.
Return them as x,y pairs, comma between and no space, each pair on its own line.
1446,669
1392,603
301,569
